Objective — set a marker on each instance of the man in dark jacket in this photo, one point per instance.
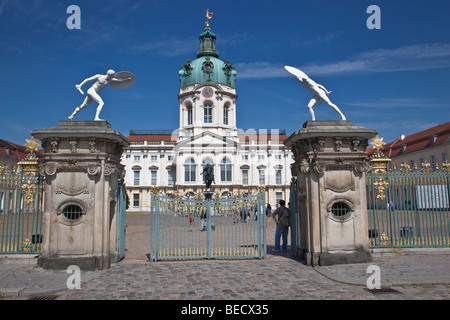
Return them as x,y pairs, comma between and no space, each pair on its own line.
282,230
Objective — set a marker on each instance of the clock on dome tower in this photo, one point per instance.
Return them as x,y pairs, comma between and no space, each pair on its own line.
207,94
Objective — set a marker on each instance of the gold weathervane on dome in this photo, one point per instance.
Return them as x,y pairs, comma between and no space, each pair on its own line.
209,15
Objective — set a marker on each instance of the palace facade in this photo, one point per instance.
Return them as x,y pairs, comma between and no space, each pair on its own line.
171,161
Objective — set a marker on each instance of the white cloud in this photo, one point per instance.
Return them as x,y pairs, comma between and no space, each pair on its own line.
415,57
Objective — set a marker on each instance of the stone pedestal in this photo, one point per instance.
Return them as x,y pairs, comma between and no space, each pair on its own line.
330,166
82,169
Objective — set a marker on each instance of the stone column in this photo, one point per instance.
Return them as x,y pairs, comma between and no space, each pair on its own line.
82,169
330,166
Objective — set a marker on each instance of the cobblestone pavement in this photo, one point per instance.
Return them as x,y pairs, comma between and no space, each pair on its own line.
231,280
407,277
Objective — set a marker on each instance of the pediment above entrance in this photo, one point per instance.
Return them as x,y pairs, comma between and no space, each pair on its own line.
207,139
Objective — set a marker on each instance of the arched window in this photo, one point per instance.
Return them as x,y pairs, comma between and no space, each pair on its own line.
189,114
207,112
225,170
189,170
278,176
225,113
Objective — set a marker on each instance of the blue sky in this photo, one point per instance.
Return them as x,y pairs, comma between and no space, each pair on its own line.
395,80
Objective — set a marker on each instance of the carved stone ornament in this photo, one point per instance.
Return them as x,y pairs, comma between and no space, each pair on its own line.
92,148
54,146
337,145
356,144
50,168
73,146
109,169
93,169
304,166
319,166
362,166
321,144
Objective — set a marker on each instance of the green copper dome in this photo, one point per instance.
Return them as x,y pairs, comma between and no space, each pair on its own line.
207,67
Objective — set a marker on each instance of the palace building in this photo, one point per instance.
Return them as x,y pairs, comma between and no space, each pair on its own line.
171,161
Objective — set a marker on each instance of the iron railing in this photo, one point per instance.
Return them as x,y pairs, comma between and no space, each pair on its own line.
20,213
190,229
408,208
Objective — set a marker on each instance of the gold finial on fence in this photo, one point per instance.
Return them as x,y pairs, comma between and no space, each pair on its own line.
154,190
446,166
3,170
377,143
405,167
426,167
29,165
378,159
32,145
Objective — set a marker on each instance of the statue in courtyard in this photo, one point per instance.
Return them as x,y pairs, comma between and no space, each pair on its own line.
120,80
320,92
208,175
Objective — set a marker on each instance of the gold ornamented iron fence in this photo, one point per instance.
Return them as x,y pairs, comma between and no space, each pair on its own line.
21,197
407,207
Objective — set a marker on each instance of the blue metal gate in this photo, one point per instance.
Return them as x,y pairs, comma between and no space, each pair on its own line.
293,207
190,229
121,221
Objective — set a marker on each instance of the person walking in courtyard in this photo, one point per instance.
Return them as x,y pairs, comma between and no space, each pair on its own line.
269,215
191,221
281,215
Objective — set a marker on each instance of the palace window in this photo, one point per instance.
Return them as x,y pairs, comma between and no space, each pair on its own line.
207,111
278,197
225,114
278,176
225,170
135,199
245,177
189,115
189,170
262,177
137,177
153,176
170,177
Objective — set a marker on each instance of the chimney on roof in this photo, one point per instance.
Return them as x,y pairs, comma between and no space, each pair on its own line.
433,139
402,137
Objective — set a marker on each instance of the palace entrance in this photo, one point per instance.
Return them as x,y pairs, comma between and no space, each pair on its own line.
195,229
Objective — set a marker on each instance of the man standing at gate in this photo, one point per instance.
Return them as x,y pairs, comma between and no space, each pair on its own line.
281,217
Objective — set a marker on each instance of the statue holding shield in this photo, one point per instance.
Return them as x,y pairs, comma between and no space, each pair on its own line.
120,80
320,92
